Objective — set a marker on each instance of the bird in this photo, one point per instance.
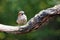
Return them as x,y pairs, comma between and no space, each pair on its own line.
22,18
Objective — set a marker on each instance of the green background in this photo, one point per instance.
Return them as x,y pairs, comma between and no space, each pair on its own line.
8,15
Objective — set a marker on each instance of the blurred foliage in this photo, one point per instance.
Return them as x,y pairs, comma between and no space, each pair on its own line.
8,15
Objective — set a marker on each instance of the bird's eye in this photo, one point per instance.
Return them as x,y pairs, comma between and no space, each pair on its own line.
21,14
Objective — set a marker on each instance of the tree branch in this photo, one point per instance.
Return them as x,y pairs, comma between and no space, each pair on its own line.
34,23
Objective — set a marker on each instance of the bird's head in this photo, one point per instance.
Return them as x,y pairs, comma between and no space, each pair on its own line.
21,13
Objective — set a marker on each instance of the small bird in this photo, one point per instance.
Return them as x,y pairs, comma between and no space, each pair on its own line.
22,18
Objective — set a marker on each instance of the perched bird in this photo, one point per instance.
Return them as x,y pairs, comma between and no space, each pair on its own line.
22,18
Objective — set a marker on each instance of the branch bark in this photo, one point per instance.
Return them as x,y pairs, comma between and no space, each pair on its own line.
34,23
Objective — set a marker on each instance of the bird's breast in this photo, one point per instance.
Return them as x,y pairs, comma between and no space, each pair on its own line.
22,20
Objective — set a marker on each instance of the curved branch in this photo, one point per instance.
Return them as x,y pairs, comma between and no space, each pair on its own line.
34,23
